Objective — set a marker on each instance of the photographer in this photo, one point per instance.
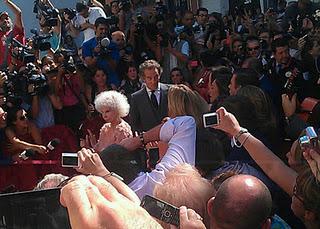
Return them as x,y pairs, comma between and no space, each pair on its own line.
178,54
50,26
297,13
8,31
86,18
100,52
44,103
199,27
69,26
70,88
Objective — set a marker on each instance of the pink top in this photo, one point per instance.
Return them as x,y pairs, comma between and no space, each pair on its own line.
110,135
18,33
67,97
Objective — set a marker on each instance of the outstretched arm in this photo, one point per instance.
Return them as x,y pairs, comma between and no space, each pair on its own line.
267,160
17,12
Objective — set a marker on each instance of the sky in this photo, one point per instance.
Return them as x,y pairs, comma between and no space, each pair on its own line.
29,18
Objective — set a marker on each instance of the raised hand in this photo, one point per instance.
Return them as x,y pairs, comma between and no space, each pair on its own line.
227,122
93,202
90,163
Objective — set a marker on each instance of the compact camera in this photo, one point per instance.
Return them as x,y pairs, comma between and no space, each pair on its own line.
210,119
310,140
70,160
161,210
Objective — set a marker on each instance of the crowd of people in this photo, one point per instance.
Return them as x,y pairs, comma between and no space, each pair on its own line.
125,84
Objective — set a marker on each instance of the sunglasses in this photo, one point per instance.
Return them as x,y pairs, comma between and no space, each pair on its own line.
254,48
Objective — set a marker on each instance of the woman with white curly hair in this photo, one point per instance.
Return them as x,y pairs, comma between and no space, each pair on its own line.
113,106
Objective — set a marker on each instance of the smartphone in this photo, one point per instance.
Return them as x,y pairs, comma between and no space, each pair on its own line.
210,119
33,209
70,160
161,210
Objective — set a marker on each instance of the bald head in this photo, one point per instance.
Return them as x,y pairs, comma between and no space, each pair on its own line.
242,201
119,38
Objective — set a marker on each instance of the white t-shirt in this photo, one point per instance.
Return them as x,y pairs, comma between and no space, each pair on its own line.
94,13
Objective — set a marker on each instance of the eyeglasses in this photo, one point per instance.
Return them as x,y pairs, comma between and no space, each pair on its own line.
254,48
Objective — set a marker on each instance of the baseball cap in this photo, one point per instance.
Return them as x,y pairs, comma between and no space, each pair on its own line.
4,13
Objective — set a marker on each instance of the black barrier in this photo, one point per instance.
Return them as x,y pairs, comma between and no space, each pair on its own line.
33,209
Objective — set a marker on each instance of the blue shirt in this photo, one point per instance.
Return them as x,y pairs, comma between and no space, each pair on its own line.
87,51
45,117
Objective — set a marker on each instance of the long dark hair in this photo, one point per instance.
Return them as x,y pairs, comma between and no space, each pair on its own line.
12,115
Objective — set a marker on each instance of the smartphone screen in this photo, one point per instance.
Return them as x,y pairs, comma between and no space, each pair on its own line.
210,119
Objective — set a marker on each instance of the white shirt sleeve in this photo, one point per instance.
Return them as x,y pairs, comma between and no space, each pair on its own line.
95,13
185,49
79,21
180,133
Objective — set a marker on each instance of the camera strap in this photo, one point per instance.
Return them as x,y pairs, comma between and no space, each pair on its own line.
6,52
73,91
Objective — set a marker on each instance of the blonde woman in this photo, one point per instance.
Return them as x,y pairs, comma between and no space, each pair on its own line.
184,101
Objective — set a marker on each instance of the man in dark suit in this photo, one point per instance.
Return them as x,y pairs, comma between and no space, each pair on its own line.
149,105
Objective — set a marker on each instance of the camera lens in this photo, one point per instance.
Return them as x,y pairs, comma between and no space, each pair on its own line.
166,213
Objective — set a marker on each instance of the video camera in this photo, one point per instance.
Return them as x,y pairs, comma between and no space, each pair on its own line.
113,23
70,12
140,24
28,82
106,47
21,52
39,42
50,14
68,62
125,5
